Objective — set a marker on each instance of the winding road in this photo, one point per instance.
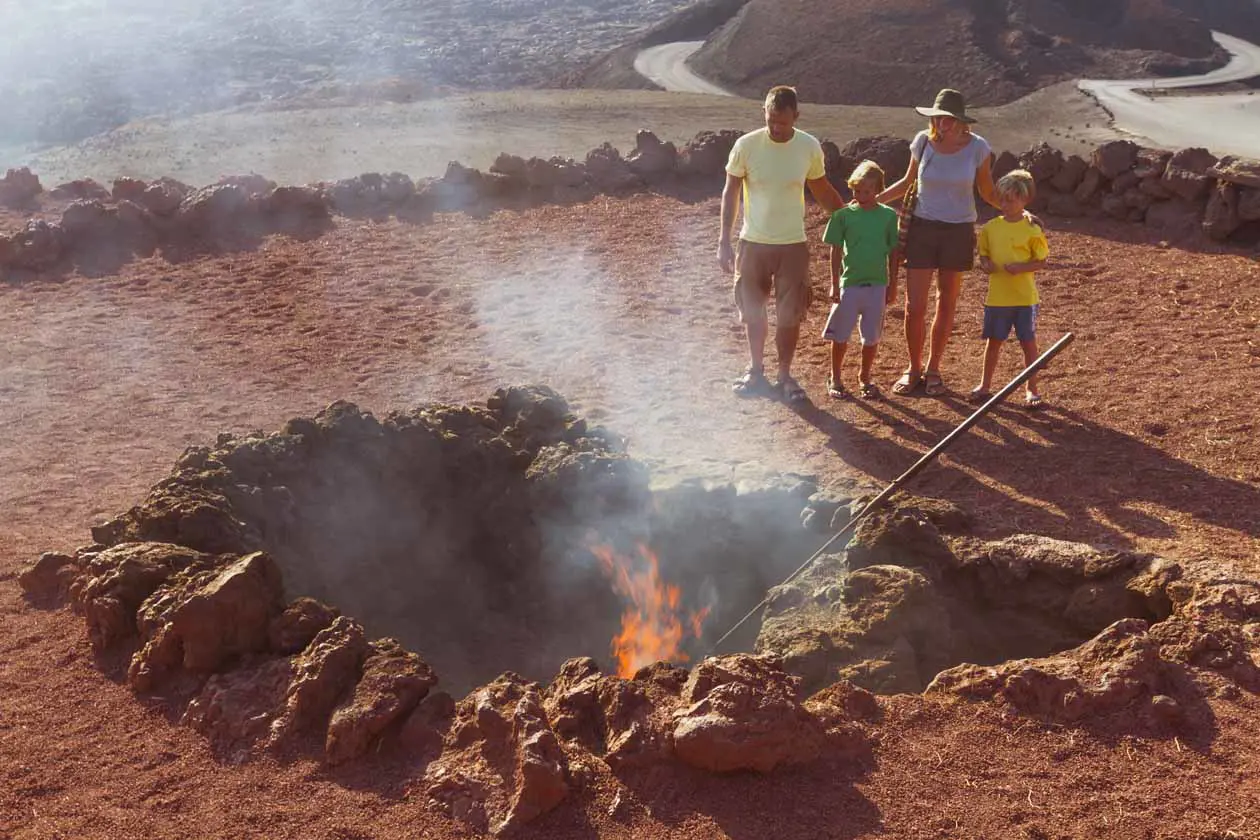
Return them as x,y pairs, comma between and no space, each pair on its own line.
666,65
1226,123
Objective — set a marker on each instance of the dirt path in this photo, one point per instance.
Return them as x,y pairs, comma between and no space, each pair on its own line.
666,65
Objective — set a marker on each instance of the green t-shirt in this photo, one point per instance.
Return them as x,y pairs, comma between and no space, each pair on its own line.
867,237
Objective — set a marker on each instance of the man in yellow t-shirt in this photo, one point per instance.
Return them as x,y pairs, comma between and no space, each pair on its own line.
1012,246
769,170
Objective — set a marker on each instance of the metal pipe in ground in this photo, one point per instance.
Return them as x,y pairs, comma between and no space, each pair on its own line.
918,466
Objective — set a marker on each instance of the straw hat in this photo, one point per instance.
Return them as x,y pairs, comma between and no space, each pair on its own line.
949,103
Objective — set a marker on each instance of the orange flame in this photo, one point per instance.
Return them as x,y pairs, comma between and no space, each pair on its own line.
652,627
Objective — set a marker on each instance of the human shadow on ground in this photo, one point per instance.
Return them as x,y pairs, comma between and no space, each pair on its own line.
1053,472
818,800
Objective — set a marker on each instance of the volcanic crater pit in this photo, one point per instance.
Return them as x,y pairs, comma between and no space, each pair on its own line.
313,580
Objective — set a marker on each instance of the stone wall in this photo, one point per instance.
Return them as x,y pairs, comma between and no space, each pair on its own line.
1182,195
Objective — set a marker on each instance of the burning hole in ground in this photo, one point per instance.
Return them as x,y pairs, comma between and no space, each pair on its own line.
316,583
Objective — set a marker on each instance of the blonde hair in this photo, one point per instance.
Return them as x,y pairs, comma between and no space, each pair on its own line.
935,135
1017,182
867,169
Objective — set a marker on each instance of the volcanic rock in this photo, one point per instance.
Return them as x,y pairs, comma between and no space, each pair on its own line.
1248,205
1004,163
51,576
1221,217
706,154
1091,184
197,620
80,189
1042,161
1242,171
394,680
1186,174
299,623
1105,675
501,765
1115,158
37,247
891,153
1070,174
651,158
117,580
608,171
744,713
325,671
19,187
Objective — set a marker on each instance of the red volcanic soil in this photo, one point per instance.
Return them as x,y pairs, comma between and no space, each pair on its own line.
1149,443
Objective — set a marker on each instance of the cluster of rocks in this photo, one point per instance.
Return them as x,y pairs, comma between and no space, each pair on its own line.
1178,193
194,589
227,592
1060,631
139,217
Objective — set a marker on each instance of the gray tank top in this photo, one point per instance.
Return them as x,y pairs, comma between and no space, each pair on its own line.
947,182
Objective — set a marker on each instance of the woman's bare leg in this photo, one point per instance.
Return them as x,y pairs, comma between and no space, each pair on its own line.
948,285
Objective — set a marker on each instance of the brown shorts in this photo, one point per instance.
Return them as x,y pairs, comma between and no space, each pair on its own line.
783,268
941,245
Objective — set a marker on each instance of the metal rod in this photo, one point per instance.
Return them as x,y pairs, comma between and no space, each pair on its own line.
930,456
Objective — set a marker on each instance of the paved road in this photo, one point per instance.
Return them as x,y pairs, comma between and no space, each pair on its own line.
666,65
1226,123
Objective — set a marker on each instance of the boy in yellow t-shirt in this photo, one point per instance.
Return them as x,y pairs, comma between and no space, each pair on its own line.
1012,246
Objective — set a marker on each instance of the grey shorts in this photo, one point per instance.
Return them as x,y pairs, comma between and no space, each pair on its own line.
783,269
859,306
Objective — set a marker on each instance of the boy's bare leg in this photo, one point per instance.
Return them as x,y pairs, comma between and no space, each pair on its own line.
1030,356
868,362
785,339
918,282
838,349
948,285
757,332
992,349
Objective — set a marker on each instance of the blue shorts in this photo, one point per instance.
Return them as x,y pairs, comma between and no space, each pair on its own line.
999,320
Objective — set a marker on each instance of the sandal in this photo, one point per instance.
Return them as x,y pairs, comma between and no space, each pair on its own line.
791,390
870,391
837,391
1033,402
752,383
979,395
907,384
933,385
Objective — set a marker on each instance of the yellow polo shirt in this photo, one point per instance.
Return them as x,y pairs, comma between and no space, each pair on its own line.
774,184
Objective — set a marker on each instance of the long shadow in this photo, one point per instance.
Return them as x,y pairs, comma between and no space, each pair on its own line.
820,800
1053,472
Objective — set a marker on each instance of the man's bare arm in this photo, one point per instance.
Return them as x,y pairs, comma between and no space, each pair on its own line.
731,195
825,194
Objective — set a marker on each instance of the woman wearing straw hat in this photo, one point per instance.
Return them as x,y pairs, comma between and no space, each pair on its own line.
948,164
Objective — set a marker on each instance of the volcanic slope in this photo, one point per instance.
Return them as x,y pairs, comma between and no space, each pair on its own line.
898,52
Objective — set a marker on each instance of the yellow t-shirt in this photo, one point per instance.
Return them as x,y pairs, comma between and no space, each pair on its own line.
1007,242
774,184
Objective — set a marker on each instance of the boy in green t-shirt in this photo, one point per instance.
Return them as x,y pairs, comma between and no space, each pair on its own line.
1012,246
862,237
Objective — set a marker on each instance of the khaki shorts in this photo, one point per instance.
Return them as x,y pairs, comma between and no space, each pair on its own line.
783,268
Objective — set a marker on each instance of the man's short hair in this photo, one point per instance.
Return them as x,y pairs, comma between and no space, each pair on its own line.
867,170
781,98
1018,182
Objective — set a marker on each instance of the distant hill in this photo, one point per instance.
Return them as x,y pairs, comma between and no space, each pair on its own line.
897,52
